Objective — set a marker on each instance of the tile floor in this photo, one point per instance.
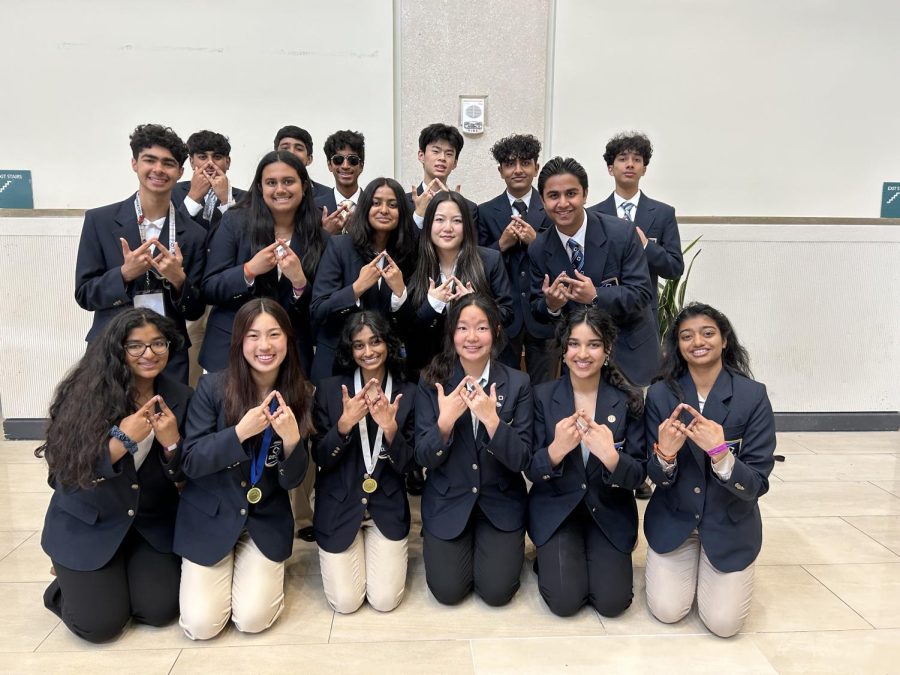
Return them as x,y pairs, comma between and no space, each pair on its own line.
827,597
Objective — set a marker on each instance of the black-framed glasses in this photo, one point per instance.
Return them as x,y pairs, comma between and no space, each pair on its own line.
338,160
158,347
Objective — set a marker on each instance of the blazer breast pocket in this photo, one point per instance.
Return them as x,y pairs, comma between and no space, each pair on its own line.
204,501
440,481
734,438
86,513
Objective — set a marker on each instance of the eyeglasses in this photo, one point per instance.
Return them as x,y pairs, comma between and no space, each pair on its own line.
338,160
158,347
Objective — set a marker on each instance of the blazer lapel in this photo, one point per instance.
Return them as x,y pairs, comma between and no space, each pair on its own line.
690,397
564,406
608,405
498,378
557,257
595,248
127,221
536,216
719,399
608,206
645,213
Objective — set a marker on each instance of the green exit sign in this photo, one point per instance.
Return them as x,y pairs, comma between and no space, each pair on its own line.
890,200
15,189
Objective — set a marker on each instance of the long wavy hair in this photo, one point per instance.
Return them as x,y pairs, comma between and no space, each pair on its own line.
441,367
95,395
469,268
343,357
403,240
261,226
241,392
602,325
735,357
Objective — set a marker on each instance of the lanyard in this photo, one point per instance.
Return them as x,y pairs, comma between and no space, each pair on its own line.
139,212
370,453
259,462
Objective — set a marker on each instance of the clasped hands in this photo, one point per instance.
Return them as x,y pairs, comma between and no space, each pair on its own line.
137,426
281,420
468,395
579,288
278,254
169,266
570,432
371,400
705,433
370,273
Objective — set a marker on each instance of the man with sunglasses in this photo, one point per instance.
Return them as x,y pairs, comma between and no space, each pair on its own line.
346,153
132,254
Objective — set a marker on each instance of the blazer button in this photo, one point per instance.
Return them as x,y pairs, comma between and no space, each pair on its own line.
130,512
546,476
243,483
135,486
243,512
739,486
475,467
593,509
614,485
665,482
474,490
364,500
172,472
696,516
697,491
584,486
439,453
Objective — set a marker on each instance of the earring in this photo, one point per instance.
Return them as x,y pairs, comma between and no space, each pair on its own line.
606,363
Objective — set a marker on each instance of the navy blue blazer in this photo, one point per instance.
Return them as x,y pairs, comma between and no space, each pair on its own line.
340,500
84,528
469,469
99,286
181,190
493,217
726,513
614,260
557,491
224,287
663,250
473,207
214,509
333,301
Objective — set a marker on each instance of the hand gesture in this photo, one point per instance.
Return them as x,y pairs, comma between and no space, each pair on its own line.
566,437
642,236
598,439
555,294
705,433
199,184
264,260
355,408
289,264
254,420
170,266
137,425
450,407
421,201
164,424
334,223
524,231
482,405
582,289
284,424
392,276
509,237
383,411
136,262
219,183
670,437
368,276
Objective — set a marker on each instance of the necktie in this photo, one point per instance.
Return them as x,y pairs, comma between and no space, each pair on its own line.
626,207
577,255
521,207
209,203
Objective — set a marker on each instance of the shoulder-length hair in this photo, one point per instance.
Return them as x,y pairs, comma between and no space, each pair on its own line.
95,395
403,240
602,325
261,226
469,268
441,367
240,390
735,357
343,357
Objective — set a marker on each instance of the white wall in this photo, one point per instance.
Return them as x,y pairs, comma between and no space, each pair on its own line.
765,108
79,76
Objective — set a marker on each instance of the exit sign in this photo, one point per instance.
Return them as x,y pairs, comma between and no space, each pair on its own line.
15,189
890,200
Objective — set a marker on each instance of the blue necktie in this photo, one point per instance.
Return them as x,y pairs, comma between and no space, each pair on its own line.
626,207
577,254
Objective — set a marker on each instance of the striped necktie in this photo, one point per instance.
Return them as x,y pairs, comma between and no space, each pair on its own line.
626,207
577,255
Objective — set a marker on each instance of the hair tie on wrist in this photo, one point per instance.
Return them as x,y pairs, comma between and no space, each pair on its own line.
718,450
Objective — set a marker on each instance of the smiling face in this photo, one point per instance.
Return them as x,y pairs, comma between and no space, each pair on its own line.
282,189
700,342
345,174
585,353
438,160
265,344
369,350
564,200
447,227
148,364
472,337
384,214
157,169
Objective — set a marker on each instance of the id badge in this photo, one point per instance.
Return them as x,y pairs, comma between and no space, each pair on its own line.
609,283
152,301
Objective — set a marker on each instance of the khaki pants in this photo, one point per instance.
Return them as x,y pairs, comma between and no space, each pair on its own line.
196,330
244,585
723,598
373,568
303,497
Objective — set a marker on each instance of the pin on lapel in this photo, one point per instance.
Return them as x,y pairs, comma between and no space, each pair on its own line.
611,419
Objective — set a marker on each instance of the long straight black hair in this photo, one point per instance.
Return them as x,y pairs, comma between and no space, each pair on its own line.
403,240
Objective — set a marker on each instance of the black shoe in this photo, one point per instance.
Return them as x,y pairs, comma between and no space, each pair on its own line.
415,482
306,534
644,491
52,598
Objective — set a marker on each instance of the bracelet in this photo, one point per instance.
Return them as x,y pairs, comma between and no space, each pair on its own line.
117,433
662,455
718,450
248,275
298,291
173,447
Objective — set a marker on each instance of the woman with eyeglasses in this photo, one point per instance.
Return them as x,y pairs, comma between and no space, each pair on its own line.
113,447
366,269
267,246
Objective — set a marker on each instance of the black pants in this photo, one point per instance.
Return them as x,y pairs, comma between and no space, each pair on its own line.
138,582
482,557
579,565
541,356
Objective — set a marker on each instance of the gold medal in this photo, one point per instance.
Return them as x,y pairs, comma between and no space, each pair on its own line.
254,494
369,485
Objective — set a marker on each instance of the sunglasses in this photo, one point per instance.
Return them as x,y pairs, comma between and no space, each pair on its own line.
338,160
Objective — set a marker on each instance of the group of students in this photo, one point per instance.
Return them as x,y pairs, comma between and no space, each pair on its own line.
412,326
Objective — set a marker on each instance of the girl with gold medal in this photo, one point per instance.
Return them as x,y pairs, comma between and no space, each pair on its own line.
245,447
364,445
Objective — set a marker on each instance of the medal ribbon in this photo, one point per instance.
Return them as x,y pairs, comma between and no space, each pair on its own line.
370,453
258,464
139,212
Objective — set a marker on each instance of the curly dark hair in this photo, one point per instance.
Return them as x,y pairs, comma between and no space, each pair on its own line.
147,135
603,327
343,356
441,366
735,357
517,146
95,395
208,141
631,141
290,131
403,241
441,132
558,166
345,139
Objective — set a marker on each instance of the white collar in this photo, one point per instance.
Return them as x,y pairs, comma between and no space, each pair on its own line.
579,236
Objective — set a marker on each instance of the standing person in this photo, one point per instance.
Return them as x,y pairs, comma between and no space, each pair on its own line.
364,445
268,246
130,253
450,265
592,259
509,223
346,155
367,269
473,434
245,447
713,435
112,466
590,455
